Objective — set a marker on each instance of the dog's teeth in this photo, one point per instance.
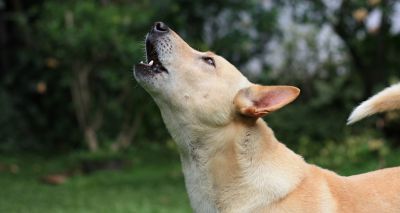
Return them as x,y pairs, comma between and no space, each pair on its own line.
151,62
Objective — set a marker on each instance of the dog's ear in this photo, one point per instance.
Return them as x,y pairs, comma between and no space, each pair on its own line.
257,101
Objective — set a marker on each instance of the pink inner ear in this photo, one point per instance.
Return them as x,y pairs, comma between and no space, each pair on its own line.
272,98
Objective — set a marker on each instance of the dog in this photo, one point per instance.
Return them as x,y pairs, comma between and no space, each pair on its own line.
230,158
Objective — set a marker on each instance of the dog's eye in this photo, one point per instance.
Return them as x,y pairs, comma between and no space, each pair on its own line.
209,60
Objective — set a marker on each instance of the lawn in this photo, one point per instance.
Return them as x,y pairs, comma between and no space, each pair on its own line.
142,187
152,182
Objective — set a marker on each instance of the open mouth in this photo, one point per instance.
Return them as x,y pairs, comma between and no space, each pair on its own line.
153,64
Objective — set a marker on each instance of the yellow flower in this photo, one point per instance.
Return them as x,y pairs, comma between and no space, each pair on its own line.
375,144
360,14
374,2
41,87
52,63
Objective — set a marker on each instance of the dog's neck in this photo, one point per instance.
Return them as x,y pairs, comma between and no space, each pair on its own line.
260,167
224,166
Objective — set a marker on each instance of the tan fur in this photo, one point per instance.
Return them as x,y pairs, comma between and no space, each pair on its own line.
231,160
388,99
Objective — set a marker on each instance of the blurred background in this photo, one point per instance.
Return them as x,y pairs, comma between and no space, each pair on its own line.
78,134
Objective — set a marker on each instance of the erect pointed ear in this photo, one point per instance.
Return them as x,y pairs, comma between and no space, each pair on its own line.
257,101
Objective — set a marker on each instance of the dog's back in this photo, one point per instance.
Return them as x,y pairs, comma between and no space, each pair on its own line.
382,182
386,100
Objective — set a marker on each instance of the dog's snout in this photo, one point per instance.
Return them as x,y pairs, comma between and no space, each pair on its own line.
160,27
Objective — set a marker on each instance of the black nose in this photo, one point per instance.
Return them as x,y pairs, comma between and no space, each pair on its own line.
160,27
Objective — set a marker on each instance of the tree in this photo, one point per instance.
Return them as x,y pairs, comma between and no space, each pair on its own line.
365,28
80,54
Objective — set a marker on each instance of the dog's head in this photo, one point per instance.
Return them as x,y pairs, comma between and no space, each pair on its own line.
202,86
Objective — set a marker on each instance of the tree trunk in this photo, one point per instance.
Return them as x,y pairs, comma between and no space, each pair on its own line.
128,131
80,92
91,139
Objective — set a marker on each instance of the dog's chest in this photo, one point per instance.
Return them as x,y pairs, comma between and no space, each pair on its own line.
199,187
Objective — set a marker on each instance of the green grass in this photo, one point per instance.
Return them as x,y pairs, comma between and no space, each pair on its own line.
142,188
152,183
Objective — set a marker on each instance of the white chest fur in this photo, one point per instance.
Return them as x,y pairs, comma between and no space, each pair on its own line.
197,179
198,186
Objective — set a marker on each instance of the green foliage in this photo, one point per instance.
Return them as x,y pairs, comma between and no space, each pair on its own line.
65,40
80,56
367,47
58,45
364,152
104,39
7,134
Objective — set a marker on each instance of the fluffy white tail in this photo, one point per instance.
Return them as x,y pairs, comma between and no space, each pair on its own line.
386,100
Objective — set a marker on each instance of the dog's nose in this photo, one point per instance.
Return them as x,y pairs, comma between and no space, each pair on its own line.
160,27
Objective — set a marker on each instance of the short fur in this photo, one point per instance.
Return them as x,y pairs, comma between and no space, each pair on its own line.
231,160
388,99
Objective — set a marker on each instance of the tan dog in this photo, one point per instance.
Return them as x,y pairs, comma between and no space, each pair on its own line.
231,160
